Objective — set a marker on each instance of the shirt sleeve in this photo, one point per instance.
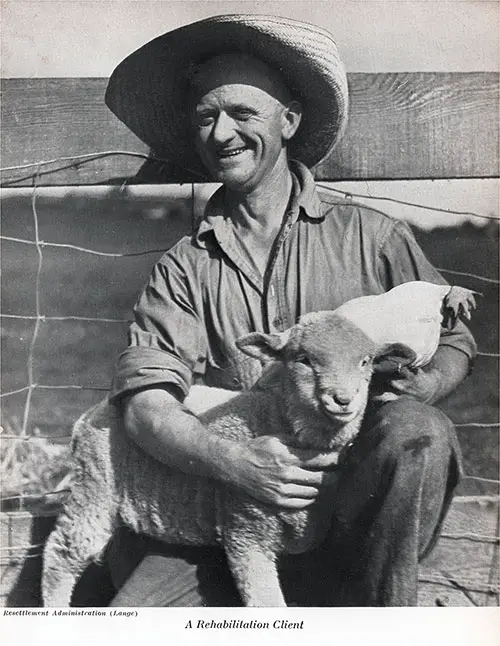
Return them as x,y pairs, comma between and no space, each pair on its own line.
402,260
167,341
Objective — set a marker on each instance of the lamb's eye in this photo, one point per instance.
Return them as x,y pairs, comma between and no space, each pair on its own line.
364,362
303,359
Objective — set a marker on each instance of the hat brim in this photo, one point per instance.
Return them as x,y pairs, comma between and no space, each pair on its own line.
146,90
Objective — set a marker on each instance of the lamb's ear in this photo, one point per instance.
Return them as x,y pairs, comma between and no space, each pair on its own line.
393,356
262,346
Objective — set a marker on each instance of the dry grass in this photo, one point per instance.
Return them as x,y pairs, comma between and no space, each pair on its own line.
31,468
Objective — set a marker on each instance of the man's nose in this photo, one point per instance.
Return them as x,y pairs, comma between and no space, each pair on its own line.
224,128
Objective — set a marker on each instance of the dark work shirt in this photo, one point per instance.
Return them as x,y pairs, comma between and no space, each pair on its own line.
203,294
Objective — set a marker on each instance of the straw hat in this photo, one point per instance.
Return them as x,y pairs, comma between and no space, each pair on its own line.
147,91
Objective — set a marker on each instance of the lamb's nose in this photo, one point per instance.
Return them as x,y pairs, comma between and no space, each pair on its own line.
332,402
342,400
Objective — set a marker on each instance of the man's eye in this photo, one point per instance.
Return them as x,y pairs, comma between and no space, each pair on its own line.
242,115
204,120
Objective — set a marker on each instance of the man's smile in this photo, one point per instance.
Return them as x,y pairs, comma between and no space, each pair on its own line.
223,154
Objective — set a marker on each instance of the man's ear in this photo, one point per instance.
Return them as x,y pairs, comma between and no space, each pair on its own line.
265,347
392,357
292,116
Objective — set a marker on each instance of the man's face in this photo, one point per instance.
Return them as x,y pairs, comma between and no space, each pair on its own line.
241,121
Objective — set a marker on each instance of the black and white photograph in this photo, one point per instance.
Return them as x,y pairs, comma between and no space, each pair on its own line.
249,316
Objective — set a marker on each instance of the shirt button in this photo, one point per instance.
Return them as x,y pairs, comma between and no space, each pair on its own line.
278,321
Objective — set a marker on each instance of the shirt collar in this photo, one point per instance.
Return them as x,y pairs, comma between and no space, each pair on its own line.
304,196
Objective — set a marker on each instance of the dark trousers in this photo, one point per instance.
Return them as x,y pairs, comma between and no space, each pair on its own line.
394,490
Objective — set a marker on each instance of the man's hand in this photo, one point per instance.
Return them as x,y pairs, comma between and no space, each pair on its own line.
271,471
418,383
264,467
429,384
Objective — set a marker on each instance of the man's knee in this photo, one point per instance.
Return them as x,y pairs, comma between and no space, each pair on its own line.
411,424
408,427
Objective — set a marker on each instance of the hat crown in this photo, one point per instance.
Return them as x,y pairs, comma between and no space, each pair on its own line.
147,89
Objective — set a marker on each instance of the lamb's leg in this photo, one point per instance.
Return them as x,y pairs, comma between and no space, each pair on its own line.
76,541
255,573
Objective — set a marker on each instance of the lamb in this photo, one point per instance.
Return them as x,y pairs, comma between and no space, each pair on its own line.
323,366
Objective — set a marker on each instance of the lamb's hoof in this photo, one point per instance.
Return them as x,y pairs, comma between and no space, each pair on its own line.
458,302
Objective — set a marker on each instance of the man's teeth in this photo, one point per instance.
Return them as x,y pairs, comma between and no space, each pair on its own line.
231,153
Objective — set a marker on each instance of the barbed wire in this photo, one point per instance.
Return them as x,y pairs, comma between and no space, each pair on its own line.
384,198
93,319
463,585
58,436
39,318
15,548
94,252
80,160
37,496
468,536
53,387
494,573
457,582
34,337
468,275
480,479
479,424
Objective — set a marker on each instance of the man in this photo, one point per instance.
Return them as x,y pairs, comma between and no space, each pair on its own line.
257,100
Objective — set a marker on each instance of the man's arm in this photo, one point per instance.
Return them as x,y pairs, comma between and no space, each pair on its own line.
167,341
263,467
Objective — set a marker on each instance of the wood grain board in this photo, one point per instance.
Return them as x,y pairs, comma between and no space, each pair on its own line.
418,126
463,568
402,125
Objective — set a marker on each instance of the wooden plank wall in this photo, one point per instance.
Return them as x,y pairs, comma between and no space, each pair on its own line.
414,125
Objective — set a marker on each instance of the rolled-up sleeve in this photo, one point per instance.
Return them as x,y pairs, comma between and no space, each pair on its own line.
167,341
402,260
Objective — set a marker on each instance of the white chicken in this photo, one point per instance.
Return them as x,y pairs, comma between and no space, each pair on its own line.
411,314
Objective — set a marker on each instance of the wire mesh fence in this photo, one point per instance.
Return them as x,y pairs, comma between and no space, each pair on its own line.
24,434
